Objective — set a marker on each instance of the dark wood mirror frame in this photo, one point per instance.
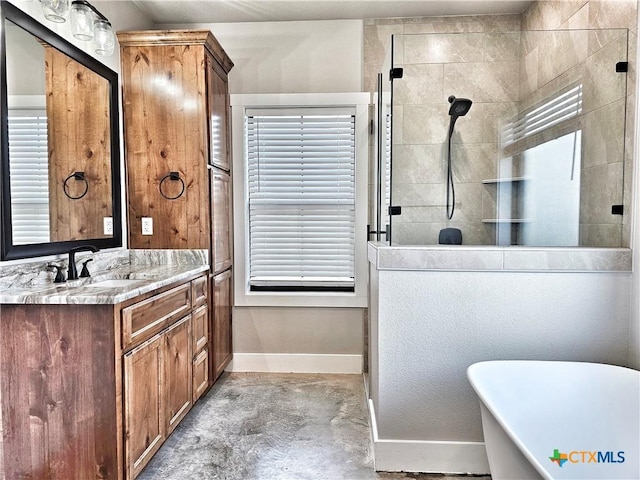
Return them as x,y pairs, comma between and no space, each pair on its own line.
9,251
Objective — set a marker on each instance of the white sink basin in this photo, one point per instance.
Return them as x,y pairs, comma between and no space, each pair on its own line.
114,282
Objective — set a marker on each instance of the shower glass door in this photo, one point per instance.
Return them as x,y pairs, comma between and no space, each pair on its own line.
539,157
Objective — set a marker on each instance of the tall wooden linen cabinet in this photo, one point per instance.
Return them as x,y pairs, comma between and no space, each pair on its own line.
177,156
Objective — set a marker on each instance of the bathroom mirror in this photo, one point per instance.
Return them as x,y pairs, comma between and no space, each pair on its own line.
59,142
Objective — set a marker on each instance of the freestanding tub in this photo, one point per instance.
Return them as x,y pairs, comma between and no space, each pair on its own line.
559,420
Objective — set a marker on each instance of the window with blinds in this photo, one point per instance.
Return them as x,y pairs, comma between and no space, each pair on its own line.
301,191
28,155
554,111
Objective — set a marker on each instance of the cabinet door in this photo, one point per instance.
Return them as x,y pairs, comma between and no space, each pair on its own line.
221,221
200,329
200,374
164,136
222,342
178,356
145,426
218,103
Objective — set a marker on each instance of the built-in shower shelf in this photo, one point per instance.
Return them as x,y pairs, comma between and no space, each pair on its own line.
505,180
506,220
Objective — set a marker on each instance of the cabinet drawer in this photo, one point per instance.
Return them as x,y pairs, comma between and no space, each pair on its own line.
200,374
200,329
144,319
199,291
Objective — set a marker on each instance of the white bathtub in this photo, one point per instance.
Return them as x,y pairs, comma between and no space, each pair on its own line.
537,415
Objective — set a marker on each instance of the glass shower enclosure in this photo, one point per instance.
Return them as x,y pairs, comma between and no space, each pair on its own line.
537,160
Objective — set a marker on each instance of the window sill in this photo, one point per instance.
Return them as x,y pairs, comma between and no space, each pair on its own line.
300,299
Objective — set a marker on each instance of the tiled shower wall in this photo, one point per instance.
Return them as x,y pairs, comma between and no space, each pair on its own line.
481,62
604,145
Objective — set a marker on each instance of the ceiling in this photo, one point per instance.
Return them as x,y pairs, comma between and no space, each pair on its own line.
223,11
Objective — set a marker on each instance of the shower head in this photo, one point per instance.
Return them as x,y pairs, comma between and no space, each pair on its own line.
459,106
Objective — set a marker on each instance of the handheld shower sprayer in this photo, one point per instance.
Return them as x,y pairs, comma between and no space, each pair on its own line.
459,108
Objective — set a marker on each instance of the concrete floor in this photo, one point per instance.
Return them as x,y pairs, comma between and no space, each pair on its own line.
275,427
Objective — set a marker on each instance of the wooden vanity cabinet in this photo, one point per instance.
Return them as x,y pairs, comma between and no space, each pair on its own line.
160,373
92,391
222,338
177,119
144,415
200,342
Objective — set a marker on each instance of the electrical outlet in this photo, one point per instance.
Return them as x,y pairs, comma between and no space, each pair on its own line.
147,226
107,225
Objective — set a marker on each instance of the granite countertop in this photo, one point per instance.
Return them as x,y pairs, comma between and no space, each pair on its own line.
139,279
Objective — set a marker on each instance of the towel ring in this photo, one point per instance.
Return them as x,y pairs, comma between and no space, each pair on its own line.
77,176
172,176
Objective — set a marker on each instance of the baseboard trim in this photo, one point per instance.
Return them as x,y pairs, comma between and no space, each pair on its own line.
295,363
426,456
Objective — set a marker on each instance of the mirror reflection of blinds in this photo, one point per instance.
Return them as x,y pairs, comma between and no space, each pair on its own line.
559,109
301,179
29,169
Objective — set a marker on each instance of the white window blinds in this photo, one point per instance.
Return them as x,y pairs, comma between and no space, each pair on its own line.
556,110
301,183
29,162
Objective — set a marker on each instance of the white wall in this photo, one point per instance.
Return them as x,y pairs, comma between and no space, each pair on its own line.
293,57
433,325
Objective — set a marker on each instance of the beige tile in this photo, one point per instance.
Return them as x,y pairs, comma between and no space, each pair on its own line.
599,39
502,47
419,164
632,42
420,84
397,126
494,116
444,48
563,50
467,24
502,23
396,56
475,233
626,235
602,85
377,39
419,194
410,214
601,235
474,163
579,19
613,14
484,82
603,135
468,202
416,233
370,79
425,124
529,73
630,129
542,15
601,187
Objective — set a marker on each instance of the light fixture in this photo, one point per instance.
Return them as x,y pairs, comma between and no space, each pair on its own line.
86,21
55,10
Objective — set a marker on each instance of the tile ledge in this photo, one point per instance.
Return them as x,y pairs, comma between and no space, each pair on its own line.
496,258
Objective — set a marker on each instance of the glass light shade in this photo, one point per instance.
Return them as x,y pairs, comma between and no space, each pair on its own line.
55,10
82,19
103,38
